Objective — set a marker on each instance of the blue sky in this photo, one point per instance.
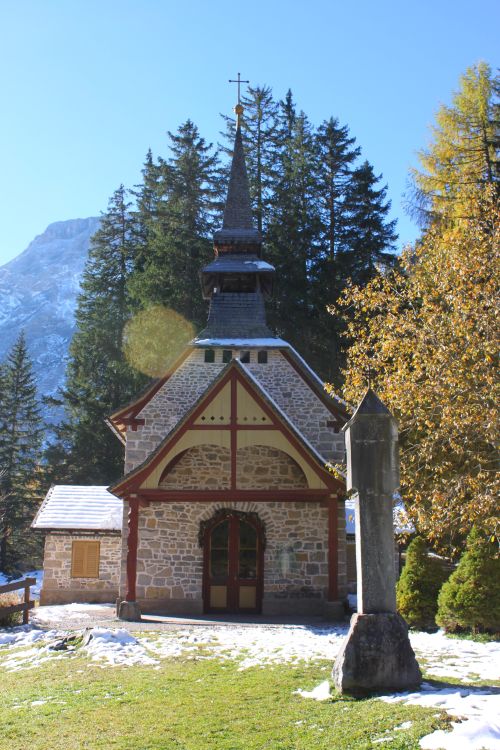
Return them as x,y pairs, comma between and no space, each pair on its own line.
88,86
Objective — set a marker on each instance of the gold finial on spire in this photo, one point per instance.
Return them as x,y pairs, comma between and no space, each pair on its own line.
239,107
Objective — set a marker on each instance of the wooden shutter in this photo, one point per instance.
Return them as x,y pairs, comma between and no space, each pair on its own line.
85,560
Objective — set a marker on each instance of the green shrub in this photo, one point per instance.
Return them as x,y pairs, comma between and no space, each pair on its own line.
470,600
14,618
418,587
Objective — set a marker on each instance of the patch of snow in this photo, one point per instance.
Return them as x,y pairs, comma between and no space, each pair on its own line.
23,635
460,658
253,645
478,709
320,693
116,647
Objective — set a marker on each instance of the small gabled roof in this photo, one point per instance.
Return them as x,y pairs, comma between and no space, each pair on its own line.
79,508
126,483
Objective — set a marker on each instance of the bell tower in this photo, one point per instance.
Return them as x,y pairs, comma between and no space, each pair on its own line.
237,280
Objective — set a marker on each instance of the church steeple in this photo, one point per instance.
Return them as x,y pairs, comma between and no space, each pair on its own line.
238,234
237,280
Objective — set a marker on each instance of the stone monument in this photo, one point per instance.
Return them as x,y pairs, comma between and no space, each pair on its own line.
377,654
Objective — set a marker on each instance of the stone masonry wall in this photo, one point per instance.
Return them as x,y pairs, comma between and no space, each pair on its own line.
259,467
192,378
170,560
203,467
60,587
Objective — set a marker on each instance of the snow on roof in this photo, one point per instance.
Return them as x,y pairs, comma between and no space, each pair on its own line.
68,506
237,343
238,263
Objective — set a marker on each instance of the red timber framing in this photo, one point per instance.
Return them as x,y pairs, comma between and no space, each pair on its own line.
132,542
132,487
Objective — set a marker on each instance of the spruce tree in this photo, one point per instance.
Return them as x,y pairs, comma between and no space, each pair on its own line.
20,441
470,599
369,236
418,587
336,154
99,379
179,241
147,198
292,239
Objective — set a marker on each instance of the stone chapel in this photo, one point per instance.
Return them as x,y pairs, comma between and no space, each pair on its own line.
226,504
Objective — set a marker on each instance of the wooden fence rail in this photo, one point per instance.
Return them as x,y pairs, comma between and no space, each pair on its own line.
25,606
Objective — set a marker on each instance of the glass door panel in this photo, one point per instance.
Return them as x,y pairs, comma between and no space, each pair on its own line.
247,551
219,551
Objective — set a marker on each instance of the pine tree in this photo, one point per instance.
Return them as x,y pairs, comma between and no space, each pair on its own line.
20,440
463,156
418,587
99,379
470,599
179,241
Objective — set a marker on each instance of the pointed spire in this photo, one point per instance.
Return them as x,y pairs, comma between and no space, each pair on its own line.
237,226
238,210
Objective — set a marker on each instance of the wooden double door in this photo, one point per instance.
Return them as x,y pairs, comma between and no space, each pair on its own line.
233,565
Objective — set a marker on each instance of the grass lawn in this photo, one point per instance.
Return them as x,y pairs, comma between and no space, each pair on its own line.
194,704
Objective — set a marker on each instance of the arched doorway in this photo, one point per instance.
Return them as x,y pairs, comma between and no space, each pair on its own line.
233,563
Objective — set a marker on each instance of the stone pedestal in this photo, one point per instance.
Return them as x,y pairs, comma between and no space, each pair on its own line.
376,656
129,611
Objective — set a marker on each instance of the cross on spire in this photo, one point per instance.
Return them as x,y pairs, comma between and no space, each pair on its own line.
238,81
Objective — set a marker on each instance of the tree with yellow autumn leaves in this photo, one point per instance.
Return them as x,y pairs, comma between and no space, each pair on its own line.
429,331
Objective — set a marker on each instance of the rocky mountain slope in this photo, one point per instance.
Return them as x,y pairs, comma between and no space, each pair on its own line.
38,291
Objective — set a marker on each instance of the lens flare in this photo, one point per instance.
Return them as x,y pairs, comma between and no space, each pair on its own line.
154,338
